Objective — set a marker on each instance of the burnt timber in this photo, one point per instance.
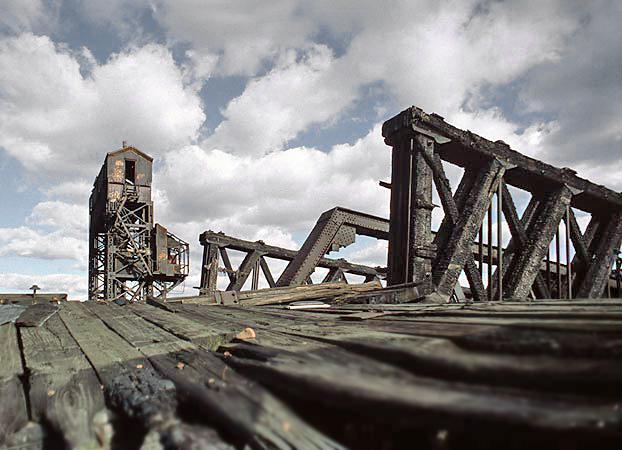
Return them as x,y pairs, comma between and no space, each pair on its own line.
177,375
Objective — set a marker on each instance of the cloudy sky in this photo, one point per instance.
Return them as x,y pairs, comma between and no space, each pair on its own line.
262,114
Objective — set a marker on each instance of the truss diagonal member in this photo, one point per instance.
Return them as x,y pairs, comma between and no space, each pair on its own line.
518,230
526,265
578,240
266,272
227,262
249,262
606,250
321,238
454,256
462,225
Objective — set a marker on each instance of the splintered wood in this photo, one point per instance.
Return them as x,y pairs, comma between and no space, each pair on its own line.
178,375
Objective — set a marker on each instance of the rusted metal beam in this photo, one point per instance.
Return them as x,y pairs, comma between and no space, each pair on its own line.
527,263
209,269
606,250
244,271
453,257
518,241
465,148
420,236
325,237
451,221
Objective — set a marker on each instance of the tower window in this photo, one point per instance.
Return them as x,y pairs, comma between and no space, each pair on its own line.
130,171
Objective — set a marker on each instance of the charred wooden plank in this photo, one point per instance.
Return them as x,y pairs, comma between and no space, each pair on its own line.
13,406
209,337
64,391
131,386
209,391
366,385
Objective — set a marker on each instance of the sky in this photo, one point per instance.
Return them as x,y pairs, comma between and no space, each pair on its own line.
260,115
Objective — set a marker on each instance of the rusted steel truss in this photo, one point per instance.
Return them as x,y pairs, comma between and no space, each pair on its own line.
130,257
334,229
215,246
421,144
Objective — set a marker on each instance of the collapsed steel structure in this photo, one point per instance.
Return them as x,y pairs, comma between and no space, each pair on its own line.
334,229
130,258
422,144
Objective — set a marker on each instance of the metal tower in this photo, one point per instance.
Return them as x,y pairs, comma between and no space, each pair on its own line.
130,258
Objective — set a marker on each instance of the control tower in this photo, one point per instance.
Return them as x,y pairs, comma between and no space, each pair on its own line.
130,258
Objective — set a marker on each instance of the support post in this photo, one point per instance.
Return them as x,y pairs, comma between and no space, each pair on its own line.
209,272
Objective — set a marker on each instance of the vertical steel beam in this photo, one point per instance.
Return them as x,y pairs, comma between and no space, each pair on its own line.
420,234
209,272
255,279
618,273
401,197
480,249
568,262
558,264
489,285
499,242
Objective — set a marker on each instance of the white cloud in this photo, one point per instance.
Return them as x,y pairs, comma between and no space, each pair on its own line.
18,15
74,191
245,32
27,242
301,90
56,121
287,189
73,285
71,218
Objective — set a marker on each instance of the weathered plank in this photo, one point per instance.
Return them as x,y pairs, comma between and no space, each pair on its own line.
13,409
64,391
36,315
10,313
206,387
209,337
363,384
132,388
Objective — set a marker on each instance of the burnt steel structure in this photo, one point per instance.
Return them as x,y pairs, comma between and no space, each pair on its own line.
130,258
336,228
421,144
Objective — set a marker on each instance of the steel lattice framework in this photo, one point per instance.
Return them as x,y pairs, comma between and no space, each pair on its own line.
423,144
130,259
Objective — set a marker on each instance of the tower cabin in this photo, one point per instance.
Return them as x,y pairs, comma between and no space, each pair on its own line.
130,258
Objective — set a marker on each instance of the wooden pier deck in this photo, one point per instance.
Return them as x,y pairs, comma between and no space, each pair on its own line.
516,374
